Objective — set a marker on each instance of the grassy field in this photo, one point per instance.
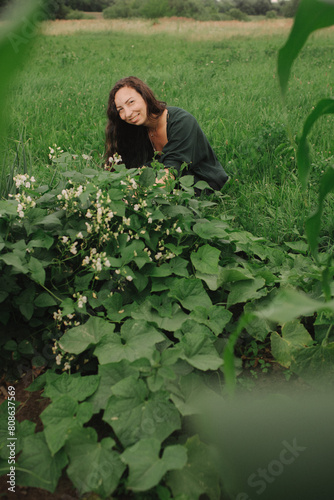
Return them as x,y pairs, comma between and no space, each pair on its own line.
224,73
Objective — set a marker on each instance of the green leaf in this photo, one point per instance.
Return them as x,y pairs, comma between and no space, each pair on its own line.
45,300
110,374
313,223
137,340
14,45
41,240
75,386
190,293
291,304
14,259
199,476
242,291
135,414
80,338
294,336
147,177
315,364
323,107
41,469
146,467
149,312
196,346
206,259
102,471
37,270
61,418
189,394
215,317
211,229
311,15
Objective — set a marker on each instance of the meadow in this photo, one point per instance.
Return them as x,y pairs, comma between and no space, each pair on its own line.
139,312
224,73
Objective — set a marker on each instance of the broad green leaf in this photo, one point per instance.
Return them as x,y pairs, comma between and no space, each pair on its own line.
311,15
206,259
61,417
41,240
37,270
7,207
323,107
146,467
215,317
94,467
178,266
189,394
75,386
41,469
199,476
228,275
243,291
80,338
260,327
298,246
315,364
137,340
294,336
190,293
135,414
147,177
110,374
196,347
291,304
14,259
45,300
149,313
211,229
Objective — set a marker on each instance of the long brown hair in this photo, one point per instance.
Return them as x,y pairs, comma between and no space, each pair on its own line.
129,141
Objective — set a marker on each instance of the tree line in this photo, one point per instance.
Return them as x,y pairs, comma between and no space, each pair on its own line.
197,9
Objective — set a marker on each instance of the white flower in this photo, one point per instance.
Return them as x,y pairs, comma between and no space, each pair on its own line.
64,239
89,214
87,157
58,359
136,207
73,248
178,230
51,150
80,235
129,278
158,256
149,220
85,262
67,366
57,316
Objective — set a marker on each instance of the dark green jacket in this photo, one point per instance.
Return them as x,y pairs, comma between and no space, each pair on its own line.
187,143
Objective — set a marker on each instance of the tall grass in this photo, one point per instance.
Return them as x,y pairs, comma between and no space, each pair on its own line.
230,86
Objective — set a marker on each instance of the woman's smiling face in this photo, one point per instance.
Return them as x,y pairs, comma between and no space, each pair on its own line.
131,106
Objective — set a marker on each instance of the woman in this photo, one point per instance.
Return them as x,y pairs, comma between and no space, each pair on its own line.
140,127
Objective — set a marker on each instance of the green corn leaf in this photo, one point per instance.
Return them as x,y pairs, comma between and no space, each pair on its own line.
323,107
16,38
311,15
313,223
